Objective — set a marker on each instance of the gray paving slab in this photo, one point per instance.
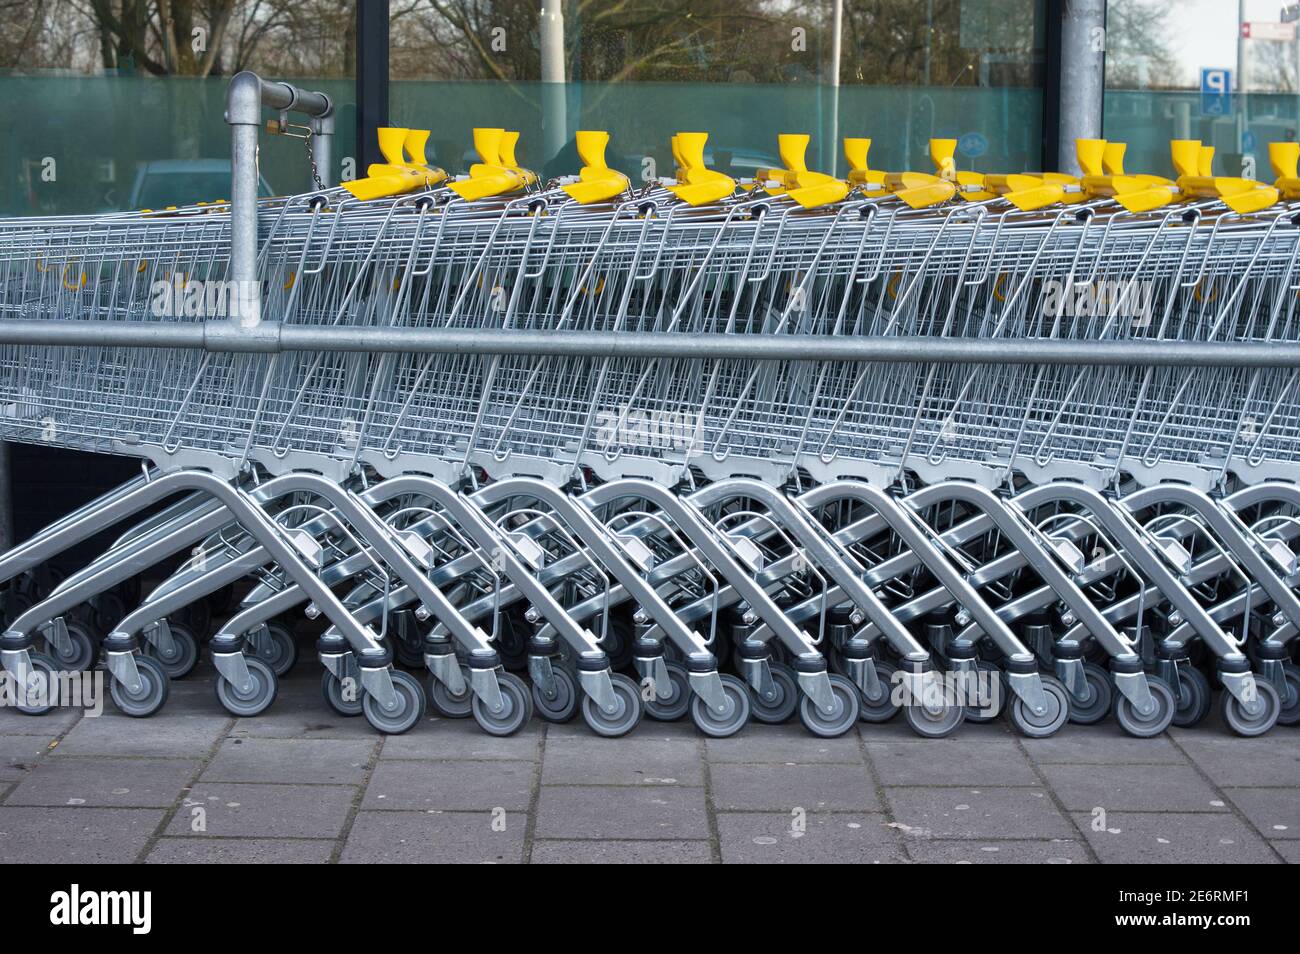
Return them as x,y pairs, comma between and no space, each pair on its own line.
896,730
1289,850
1174,838
977,813
75,835
239,851
462,739
1174,788
434,838
1055,851
624,813
783,743
818,838
1102,744
951,762
105,783
649,762
578,852
264,811
782,787
1274,811
649,729
53,723
450,786
175,733
292,761
1232,761
300,712
18,753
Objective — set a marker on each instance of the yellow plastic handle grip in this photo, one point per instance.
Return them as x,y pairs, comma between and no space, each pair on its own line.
1284,157
690,150
591,148
506,150
414,145
1112,159
855,152
391,141
1091,154
942,152
1205,161
793,148
1186,154
487,143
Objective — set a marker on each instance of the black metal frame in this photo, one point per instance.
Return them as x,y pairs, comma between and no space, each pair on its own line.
1053,10
371,80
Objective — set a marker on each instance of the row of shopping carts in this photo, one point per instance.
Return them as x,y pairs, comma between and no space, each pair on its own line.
654,531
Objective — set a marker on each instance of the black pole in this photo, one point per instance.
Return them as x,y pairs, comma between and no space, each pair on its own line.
1053,10
372,79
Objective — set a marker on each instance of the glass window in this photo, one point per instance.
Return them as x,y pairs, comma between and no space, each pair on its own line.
109,106
741,70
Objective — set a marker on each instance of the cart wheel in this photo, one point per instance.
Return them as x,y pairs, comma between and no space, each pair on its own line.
885,707
184,654
627,714
1101,697
406,709
259,696
675,706
836,723
42,685
1193,705
1147,726
735,714
80,655
992,701
150,695
448,704
516,707
1290,714
280,652
785,697
1241,722
1034,725
561,707
332,689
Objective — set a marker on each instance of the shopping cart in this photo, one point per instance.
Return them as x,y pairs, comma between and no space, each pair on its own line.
940,443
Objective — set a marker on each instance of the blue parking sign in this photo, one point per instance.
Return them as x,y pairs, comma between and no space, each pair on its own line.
1216,85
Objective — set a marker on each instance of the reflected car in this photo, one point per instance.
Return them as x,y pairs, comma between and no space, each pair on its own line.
165,182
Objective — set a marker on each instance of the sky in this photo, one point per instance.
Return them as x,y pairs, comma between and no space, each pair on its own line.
1204,32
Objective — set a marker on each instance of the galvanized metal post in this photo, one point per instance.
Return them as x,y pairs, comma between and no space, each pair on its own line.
247,94
1082,77
554,121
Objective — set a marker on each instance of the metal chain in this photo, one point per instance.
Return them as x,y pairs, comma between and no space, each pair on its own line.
311,158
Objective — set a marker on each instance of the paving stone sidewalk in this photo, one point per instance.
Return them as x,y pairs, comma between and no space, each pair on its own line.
300,784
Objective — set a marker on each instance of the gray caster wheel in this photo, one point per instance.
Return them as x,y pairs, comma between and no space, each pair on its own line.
1290,714
732,719
448,704
516,707
280,652
1193,704
785,696
675,706
184,653
936,722
258,698
406,710
332,690
1240,722
563,706
150,695
41,687
885,707
1147,726
1041,725
624,719
833,724
80,656
992,690
1101,696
